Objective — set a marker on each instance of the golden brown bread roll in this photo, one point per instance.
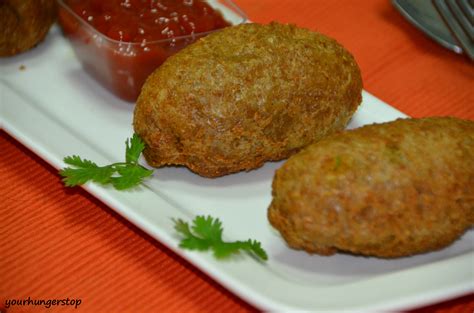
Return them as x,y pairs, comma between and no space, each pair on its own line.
386,190
245,95
24,23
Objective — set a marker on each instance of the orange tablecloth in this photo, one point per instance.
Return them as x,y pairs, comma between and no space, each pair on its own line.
57,243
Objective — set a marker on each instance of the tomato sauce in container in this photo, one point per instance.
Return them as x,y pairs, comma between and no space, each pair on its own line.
121,42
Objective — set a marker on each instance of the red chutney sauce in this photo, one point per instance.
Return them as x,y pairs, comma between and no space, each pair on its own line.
139,36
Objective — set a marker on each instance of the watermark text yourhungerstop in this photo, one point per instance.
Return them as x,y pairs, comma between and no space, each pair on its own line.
47,303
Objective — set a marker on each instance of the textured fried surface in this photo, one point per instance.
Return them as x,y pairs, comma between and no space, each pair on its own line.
387,190
24,23
246,95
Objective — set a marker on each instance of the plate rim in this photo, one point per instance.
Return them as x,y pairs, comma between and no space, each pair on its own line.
205,263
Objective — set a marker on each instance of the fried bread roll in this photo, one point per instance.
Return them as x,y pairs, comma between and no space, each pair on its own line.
386,190
245,95
24,23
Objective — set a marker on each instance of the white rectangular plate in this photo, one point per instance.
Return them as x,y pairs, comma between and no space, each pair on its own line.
54,108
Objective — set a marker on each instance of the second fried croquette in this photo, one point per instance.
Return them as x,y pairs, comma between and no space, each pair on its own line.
24,23
245,95
387,190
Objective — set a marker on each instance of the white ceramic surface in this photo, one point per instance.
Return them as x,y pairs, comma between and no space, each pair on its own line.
54,108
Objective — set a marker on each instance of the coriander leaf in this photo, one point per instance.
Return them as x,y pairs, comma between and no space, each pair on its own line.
79,176
121,175
208,228
134,148
223,250
194,243
207,234
190,242
256,248
182,227
86,170
130,176
78,162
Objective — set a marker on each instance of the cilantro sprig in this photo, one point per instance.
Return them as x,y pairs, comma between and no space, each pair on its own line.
122,175
206,233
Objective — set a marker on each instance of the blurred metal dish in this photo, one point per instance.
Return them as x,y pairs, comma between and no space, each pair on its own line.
424,15
458,15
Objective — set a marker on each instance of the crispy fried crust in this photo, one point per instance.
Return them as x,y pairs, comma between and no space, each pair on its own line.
246,95
387,190
24,23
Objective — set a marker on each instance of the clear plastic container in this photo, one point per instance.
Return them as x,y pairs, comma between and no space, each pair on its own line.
122,67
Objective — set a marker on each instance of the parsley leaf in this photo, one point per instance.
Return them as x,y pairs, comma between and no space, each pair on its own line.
85,170
130,175
134,148
121,175
206,233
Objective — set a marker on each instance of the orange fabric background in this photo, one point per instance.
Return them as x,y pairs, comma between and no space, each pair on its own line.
57,243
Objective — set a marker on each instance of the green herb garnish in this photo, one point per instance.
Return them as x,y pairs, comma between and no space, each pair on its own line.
121,175
206,233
